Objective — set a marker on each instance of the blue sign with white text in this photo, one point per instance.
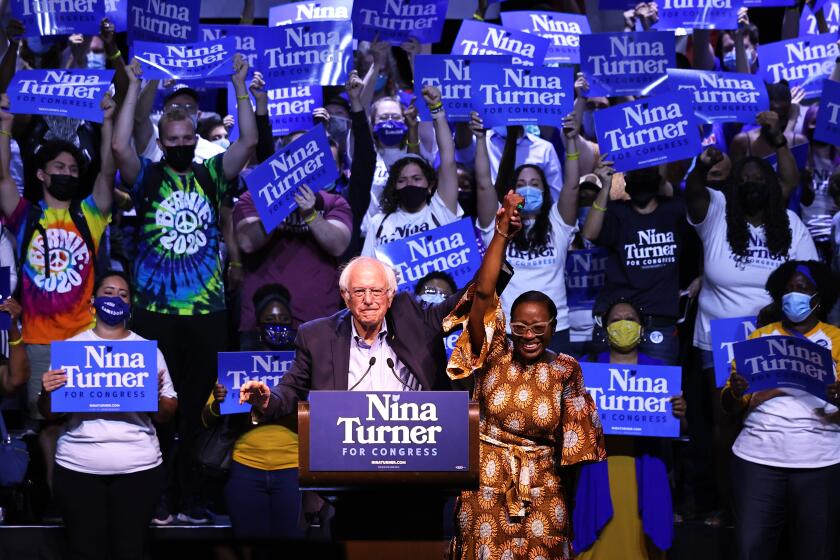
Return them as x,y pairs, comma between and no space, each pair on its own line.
585,274
172,21
315,10
289,109
625,63
634,400
62,93
770,362
357,431
697,14
193,61
310,53
828,118
106,376
803,62
562,30
505,94
41,18
808,21
451,248
396,21
273,184
117,12
478,38
719,96
237,368
725,333
648,132
246,39
449,73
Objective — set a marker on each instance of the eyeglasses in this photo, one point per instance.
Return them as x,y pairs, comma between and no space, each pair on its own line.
519,329
375,293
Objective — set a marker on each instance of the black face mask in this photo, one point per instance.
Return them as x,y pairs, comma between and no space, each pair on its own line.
63,187
412,198
277,337
466,199
641,194
179,158
753,197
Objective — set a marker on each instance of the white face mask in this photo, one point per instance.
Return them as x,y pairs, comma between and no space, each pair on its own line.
223,142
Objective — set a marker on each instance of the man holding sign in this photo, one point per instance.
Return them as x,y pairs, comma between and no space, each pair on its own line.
788,451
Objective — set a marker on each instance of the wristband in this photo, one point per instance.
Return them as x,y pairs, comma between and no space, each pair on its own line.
16,342
436,108
412,144
505,235
598,207
115,56
6,133
235,264
572,157
242,97
311,217
478,17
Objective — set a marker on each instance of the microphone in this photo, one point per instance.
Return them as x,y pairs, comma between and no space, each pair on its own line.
367,371
390,363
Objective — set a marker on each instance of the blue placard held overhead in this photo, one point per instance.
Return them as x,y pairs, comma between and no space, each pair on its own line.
648,132
719,96
769,362
808,21
273,184
170,21
117,12
49,17
634,400
396,21
452,248
301,54
246,38
518,95
62,93
802,62
477,38
697,14
585,274
289,109
237,368
451,74
314,10
828,118
725,333
193,61
106,376
625,63
562,30
5,293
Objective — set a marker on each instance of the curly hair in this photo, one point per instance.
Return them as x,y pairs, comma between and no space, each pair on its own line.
825,280
776,221
388,201
537,236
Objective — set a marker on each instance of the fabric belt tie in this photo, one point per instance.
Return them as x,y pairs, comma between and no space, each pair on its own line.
518,492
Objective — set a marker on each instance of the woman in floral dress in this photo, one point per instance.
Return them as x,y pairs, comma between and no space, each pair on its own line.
534,411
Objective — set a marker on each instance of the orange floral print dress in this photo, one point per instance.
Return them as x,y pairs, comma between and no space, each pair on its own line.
529,414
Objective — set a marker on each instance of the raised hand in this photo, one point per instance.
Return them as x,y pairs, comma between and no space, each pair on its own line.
134,72
431,95
477,125
257,87
240,69
710,157
571,126
107,31
220,392
354,86
508,220
108,106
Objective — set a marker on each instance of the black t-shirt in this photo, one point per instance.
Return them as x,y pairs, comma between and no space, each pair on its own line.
643,261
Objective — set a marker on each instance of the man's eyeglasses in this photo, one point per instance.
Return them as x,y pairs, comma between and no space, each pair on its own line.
376,293
520,329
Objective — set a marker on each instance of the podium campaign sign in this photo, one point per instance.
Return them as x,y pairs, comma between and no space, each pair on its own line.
106,376
357,431
237,368
725,333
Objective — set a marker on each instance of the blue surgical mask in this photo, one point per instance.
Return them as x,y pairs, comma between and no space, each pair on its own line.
533,199
730,61
797,306
432,298
532,129
111,310
96,61
223,143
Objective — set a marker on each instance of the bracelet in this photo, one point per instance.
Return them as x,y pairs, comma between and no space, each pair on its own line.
572,157
412,144
16,342
781,144
235,264
598,207
436,108
477,16
115,56
242,97
505,235
311,217
210,408
6,133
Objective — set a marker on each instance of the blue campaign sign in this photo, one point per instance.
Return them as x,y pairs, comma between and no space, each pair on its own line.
505,94
169,21
289,109
449,73
634,400
117,12
237,368
562,30
808,21
803,62
769,362
357,431
62,93
452,248
828,118
314,10
725,333
697,14
585,274
477,38
273,184
767,3
625,63
41,17
5,293
246,38
648,132
106,376
450,340
396,21
720,96
309,53
209,59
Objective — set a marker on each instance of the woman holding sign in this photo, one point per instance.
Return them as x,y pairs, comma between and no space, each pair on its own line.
786,468
534,409
109,474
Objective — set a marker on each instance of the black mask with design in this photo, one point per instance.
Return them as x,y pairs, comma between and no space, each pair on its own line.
412,198
753,197
179,158
63,187
277,337
641,193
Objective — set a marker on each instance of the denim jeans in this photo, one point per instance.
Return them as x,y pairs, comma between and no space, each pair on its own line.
263,504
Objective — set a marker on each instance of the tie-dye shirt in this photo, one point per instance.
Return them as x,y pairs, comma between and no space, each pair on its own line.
56,306
178,269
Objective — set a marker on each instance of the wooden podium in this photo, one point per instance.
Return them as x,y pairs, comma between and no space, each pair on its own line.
387,505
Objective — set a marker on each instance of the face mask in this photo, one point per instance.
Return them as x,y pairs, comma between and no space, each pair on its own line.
111,310
412,198
753,197
277,337
532,129
96,61
390,133
179,158
533,199
624,335
63,187
432,298
588,124
224,143
337,129
797,306
582,213
642,194
467,202
729,60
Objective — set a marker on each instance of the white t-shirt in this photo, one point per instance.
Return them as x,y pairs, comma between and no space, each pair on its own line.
817,216
732,288
401,224
792,430
114,442
541,270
